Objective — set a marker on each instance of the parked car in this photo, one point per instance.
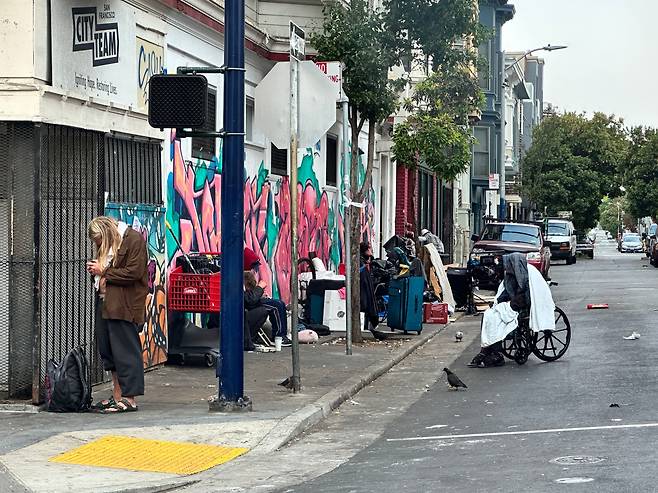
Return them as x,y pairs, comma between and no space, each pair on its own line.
651,242
499,238
562,236
631,242
584,245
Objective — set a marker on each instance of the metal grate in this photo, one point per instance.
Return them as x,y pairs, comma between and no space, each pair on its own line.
17,262
279,160
132,171
70,198
5,208
52,183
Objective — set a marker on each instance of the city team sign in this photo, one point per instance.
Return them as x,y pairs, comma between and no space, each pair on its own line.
93,49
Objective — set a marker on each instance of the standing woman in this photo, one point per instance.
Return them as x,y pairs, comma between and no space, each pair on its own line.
121,280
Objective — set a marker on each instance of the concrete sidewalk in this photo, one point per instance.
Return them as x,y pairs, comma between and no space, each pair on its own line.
175,408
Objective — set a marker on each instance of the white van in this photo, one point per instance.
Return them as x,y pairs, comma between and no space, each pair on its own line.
562,235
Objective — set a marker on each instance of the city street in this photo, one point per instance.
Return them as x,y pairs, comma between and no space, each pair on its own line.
537,427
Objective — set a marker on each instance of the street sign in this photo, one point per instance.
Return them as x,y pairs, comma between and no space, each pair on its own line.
494,181
334,72
317,105
297,42
493,200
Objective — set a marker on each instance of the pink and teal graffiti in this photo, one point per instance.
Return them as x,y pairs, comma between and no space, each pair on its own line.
149,221
194,195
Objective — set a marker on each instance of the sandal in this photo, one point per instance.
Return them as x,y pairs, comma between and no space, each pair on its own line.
122,406
103,404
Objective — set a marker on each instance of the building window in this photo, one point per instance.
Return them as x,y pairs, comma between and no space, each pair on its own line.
331,160
204,147
481,152
425,200
279,161
132,170
486,61
249,120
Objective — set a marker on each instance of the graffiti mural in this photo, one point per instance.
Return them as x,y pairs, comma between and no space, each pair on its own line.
149,221
194,193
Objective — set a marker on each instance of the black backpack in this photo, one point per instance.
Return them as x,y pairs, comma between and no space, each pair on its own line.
68,384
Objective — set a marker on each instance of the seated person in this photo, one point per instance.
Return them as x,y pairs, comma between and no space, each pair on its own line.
523,290
259,308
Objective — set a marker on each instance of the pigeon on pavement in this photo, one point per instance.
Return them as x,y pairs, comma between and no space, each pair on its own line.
287,383
453,380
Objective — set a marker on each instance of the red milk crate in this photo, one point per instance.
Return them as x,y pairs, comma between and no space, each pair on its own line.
435,313
199,293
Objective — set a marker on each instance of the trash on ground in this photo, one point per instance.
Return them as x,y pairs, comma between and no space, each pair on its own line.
597,306
614,404
632,337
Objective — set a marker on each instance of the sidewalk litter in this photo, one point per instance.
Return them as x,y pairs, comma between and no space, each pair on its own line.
632,337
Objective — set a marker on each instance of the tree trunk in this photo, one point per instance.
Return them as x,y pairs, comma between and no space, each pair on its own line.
354,230
359,194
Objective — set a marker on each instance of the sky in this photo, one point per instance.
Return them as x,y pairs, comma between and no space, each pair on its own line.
610,64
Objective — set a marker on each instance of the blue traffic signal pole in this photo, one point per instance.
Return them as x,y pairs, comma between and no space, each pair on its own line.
230,370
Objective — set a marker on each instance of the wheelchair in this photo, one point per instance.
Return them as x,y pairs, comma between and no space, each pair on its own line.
547,345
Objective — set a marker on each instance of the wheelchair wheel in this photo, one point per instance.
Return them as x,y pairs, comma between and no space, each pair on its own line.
509,345
550,345
515,345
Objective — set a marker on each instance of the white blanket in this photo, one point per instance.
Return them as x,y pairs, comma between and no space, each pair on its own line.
500,319
446,290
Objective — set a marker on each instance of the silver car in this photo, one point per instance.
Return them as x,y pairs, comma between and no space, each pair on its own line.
631,242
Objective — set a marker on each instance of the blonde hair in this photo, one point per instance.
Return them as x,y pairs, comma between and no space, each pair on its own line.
249,280
105,232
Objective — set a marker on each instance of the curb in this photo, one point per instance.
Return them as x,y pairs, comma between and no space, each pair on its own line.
19,407
297,423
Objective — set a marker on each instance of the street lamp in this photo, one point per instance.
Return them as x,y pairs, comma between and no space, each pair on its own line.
548,47
503,81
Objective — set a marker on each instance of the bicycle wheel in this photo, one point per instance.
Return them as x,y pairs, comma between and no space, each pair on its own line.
550,345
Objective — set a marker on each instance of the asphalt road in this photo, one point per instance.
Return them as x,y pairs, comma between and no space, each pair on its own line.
542,426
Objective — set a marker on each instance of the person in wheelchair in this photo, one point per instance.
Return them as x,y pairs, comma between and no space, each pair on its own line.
523,294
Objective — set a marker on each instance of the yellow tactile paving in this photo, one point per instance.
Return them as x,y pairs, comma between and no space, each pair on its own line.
138,454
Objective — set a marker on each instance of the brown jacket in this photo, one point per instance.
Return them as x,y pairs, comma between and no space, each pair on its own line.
127,281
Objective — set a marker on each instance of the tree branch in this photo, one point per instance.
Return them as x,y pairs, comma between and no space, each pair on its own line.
363,191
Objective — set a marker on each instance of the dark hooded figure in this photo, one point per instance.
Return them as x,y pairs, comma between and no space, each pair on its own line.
515,281
367,291
517,291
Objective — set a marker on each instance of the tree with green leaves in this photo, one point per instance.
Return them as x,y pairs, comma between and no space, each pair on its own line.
641,173
437,36
574,161
369,42
355,34
614,215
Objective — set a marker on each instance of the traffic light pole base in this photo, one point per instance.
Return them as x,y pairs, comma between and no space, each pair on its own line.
221,405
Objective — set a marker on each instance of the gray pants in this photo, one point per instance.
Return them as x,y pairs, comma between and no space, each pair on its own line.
120,349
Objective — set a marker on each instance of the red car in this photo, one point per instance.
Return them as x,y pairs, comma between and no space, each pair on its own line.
500,238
